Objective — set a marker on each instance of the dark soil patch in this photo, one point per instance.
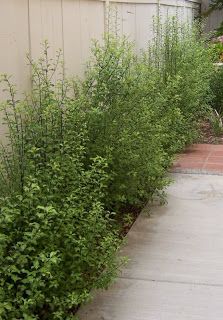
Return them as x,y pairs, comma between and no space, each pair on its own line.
127,216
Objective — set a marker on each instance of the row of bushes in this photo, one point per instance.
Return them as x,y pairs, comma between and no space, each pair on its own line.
80,152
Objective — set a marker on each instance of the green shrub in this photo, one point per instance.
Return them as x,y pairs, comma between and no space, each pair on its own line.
78,152
217,90
123,123
184,62
57,241
143,109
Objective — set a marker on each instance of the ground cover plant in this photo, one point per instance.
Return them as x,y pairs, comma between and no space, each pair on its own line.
80,154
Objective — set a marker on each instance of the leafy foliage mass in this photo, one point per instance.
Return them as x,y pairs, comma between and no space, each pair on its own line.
79,152
217,90
216,4
56,238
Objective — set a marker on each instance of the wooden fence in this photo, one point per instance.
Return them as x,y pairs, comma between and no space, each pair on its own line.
70,25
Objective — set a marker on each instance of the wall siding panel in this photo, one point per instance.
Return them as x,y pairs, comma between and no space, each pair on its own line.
14,44
71,25
144,24
129,20
72,36
46,24
14,41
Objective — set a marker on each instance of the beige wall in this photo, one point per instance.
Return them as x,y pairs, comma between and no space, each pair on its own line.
70,25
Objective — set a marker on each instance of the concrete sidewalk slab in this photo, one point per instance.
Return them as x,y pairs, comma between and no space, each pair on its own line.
176,259
132,299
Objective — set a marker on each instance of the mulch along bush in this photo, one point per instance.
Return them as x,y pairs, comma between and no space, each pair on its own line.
207,134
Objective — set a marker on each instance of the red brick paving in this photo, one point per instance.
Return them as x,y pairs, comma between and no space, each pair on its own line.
200,158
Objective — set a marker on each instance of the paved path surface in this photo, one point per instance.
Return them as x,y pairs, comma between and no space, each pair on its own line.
176,266
203,158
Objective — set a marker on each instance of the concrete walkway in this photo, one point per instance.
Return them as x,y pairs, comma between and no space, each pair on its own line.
176,266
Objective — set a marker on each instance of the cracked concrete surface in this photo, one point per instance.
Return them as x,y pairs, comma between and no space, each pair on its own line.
176,259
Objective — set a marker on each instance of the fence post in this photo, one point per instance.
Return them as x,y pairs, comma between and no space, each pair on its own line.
158,9
107,4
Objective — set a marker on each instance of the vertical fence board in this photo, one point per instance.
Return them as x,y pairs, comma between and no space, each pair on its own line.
180,14
92,26
116,18
144,24
70,25
171,12
188,14
45,24
72,36
129,20
14,41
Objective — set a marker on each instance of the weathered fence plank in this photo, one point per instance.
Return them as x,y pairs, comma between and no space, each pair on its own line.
71,24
